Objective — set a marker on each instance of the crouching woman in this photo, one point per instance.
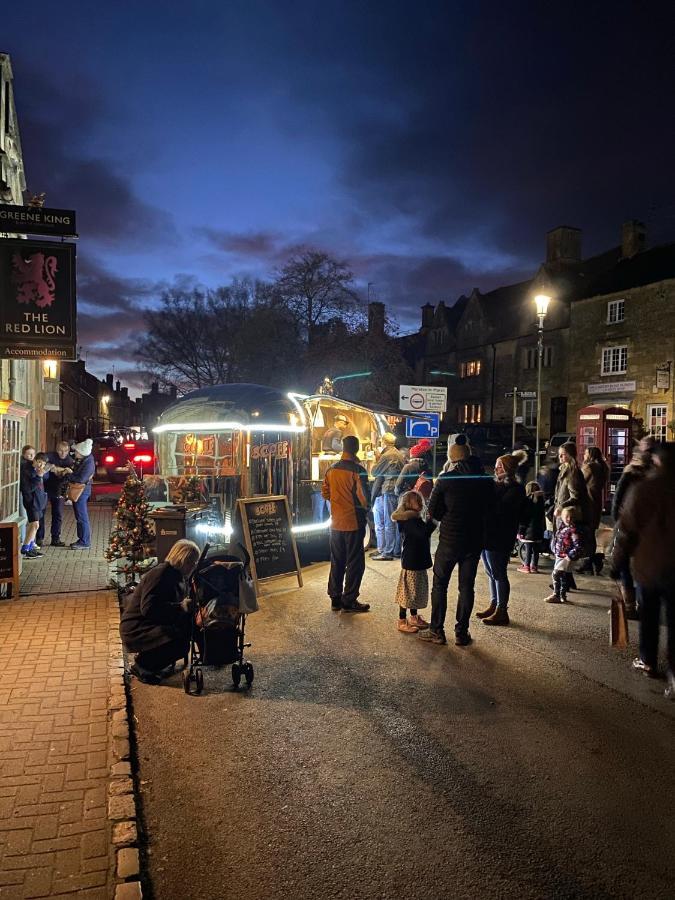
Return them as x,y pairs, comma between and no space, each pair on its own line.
155,624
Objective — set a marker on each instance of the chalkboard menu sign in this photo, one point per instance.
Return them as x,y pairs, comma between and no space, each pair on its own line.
9,557
269,539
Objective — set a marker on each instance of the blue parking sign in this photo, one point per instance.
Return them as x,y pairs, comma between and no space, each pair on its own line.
426,426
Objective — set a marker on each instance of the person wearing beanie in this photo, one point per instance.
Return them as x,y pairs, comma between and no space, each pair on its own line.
385,472
509,501
417,474
461,440
461,501
82,474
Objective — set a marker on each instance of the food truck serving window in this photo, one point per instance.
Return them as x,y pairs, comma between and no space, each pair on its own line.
271,471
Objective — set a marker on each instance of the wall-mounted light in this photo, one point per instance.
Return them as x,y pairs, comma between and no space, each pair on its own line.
105,399
50,369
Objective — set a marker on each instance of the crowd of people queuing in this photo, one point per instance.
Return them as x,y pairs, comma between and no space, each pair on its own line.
53,479
481,517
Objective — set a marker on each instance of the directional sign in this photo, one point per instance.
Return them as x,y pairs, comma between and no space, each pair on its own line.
524,395
422,398
428,426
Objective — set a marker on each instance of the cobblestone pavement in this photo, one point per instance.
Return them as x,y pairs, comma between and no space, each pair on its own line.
62,569
60,673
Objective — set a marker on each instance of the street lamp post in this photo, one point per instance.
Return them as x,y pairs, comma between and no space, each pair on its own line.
542,301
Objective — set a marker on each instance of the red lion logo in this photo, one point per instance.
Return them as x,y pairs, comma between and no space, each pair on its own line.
34,278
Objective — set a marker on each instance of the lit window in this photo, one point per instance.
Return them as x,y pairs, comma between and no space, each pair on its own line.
469,369
616,311
614,360
10,448
470,413
658,422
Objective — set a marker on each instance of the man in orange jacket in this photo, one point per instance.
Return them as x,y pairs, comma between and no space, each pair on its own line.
345,485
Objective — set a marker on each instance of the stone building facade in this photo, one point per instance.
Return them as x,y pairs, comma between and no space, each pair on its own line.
485,345
28,388
611,322
623,347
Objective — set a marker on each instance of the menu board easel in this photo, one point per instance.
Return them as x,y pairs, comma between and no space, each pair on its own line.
266,523
9,557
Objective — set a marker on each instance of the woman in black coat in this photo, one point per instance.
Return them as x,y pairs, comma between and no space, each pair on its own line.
156,621
501,536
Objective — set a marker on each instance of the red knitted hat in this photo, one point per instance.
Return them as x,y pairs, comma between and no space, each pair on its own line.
420,448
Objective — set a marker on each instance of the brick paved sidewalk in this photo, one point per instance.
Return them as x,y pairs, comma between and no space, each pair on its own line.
62,569
62,728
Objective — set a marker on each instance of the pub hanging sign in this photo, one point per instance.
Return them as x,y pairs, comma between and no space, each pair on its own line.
37,220
37,300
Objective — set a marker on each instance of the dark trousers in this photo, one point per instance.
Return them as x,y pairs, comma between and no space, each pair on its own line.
160,657
532,553
444,563
347,565
57,520
496,564
650,601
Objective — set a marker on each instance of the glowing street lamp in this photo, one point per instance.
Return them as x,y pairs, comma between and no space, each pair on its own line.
542,301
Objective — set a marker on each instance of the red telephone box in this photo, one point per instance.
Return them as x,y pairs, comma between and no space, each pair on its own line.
610,429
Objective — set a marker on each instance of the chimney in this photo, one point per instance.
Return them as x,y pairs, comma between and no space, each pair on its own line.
109,381
125,393
154,387
427,315
117,386
633,238
563,245
376,318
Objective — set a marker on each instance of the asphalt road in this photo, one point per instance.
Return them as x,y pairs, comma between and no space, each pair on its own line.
364,764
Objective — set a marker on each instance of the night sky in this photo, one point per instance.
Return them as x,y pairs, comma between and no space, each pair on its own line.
431,145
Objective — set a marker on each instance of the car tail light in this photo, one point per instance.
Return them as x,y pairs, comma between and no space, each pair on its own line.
109,459
142,458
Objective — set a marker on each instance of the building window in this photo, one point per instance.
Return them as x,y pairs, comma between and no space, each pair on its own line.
614,360
531,357
470,413
10,448
616,311
658,422
469,369
530,413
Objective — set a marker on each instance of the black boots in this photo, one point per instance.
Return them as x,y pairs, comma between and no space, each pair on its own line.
598,563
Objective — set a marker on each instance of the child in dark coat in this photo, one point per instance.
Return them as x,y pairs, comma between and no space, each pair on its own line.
412,592
532,526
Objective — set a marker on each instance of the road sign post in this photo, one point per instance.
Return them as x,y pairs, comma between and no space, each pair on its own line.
421,398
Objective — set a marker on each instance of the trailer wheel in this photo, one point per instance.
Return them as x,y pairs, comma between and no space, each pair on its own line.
186,680
248,673
199,681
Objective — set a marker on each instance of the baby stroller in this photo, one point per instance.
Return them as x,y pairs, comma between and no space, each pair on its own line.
221,594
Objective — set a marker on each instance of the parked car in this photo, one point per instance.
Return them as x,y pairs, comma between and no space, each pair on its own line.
489,441
556,442
115,461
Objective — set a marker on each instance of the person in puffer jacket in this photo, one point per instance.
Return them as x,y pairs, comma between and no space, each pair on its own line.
566,546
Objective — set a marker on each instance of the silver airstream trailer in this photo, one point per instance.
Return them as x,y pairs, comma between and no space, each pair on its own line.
245,440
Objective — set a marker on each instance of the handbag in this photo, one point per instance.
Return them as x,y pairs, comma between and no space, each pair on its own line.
618,623
248,601
75,491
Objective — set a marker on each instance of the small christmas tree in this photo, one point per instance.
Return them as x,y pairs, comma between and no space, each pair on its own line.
132,533
188,490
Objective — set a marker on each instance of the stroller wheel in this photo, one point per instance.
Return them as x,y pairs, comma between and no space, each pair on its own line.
199,681
186,680
248,673
522,552
236,675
